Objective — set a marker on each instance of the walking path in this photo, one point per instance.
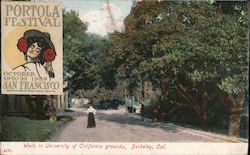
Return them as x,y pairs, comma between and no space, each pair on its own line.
118,126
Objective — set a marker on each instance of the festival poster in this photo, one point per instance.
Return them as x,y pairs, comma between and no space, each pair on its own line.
31,48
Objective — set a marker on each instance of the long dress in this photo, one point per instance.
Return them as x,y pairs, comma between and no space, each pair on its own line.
91,118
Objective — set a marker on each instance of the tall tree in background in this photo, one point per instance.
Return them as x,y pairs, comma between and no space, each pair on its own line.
193,47
77,46
84,64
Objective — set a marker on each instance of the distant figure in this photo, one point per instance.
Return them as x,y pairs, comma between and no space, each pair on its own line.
91,117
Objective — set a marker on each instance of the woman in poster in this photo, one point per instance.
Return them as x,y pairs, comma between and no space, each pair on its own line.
91,117
39,52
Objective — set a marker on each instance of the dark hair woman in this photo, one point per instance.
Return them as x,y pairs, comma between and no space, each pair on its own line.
91,117
39,52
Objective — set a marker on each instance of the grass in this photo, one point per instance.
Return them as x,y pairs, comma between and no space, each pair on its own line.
25,129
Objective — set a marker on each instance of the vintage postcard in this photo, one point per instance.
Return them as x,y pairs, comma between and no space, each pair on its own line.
130,77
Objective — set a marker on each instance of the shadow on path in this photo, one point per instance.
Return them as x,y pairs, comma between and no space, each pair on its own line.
133,119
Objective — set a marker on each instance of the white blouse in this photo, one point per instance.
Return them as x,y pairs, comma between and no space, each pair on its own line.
91,110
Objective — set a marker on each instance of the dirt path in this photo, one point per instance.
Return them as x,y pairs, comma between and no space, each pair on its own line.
117,126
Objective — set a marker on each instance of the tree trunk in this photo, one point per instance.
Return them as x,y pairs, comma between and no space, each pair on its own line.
51,108
203,108
142,111
202,118
164,89
234,111
199,107
39,103
142,91
234,125
142,97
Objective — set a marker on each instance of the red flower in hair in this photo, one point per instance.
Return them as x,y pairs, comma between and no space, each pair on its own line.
49,55
22,44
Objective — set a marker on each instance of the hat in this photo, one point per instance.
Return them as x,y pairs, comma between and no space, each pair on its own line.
49,53
37,33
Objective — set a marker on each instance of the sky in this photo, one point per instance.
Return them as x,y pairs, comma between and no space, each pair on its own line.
96,14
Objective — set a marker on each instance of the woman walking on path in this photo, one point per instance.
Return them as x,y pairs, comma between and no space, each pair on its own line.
91,117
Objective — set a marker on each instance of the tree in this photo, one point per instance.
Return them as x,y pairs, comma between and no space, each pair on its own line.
84,63
78,50
192,47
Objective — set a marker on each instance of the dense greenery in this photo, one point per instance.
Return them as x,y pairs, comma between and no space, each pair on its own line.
192,51
84,64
